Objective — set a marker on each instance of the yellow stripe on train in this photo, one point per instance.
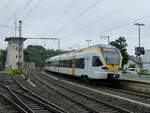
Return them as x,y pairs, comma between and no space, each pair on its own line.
73,65
113,67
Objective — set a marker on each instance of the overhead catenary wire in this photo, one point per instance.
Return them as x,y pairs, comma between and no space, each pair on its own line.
78,16
7,27
68,9
123,25
108,15
32,9
17,11
5,6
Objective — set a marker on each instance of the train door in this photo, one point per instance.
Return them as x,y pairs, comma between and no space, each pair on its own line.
96,64
54,65
57,66
88,69
73,65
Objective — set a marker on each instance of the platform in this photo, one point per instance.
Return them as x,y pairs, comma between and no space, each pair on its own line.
136,77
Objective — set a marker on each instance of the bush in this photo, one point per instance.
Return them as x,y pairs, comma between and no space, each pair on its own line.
13,71
144,73
124,71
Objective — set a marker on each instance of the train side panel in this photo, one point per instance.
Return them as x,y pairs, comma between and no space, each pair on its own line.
91,63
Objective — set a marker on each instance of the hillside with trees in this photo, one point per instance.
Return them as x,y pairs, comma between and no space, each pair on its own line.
33,53
38,54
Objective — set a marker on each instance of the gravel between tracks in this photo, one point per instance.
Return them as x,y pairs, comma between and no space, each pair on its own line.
55,98
125,104
69,105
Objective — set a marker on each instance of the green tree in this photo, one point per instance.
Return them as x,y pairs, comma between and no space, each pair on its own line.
132,66
121,44
3,54
38,54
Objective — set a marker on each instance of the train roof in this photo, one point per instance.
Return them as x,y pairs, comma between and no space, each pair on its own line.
100,46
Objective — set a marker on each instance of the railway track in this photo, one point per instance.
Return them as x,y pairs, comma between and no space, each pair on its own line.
144,98
108,95
7,105
27,100
90,104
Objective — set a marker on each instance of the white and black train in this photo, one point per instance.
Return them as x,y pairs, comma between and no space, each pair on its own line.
96,62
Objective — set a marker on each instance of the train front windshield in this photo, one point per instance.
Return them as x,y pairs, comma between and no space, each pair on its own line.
111,56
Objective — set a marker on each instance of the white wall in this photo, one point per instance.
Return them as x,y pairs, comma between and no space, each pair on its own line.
13,54
146,60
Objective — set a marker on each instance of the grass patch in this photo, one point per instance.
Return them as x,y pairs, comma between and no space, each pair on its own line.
14,71
144,73
124,71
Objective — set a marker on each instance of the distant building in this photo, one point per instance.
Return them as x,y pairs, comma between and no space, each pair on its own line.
146,60
132,61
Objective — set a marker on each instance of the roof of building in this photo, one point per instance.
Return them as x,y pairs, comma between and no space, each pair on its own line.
14,39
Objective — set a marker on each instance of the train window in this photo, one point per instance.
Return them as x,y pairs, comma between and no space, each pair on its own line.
53,63
49,63
96,61
66,63
80,63
112,57
69,63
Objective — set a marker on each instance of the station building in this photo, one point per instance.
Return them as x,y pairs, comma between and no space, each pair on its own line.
146,61
132,61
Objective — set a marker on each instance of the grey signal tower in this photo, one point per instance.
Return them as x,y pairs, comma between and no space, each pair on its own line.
15,54
14,57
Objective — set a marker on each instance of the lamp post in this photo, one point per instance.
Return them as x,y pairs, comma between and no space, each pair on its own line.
139,31
88,41
139,38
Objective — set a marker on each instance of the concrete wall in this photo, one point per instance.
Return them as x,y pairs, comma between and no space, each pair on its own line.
13,54
126,66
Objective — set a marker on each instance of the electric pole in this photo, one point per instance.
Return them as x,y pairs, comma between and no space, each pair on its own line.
139,38
15,25
20,48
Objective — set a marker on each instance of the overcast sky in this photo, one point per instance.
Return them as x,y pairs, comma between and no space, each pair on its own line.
75,21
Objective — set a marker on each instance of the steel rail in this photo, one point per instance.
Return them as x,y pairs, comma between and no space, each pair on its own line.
52,105
122,110
24,106
18,100
90,109
13,103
